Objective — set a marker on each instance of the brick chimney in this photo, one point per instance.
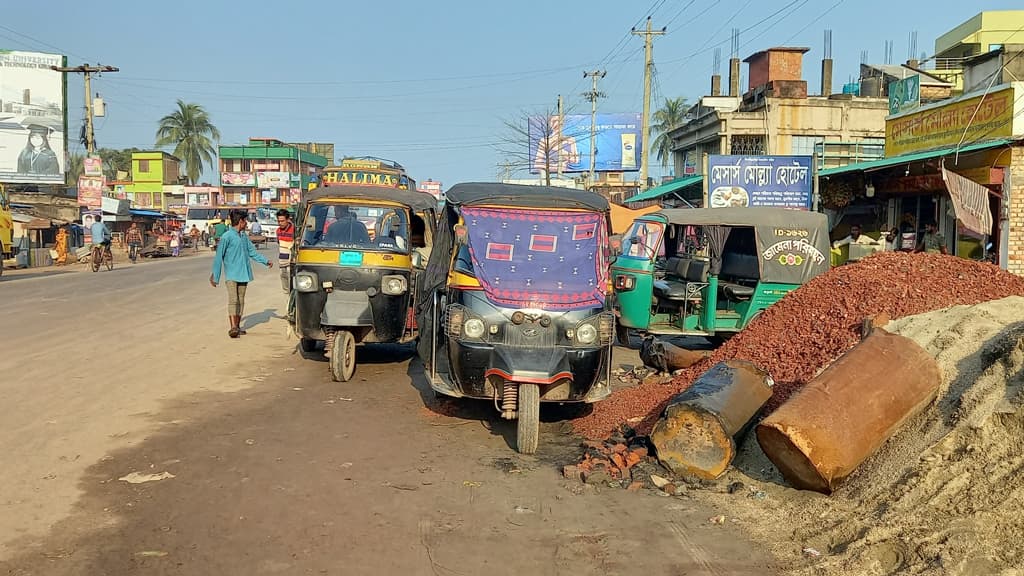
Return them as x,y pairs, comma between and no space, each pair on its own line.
778,71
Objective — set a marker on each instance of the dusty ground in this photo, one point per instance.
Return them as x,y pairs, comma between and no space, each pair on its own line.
275,468
943,496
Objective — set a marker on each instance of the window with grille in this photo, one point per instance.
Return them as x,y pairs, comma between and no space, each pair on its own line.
747,145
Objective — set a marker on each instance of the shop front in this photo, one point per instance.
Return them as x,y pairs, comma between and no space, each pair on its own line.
950,165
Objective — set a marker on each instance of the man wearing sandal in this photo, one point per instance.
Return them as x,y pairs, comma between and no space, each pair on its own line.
233,254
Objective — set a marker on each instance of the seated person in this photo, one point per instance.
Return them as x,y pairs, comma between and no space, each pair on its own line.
346,229
418,238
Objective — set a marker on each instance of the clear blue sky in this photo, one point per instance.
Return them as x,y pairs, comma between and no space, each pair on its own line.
429,84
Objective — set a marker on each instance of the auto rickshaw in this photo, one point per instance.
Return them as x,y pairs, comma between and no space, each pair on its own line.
358,253
710,271
516,300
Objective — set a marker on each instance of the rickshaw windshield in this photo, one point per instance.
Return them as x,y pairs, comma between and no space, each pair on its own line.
538,258
643,240
356,227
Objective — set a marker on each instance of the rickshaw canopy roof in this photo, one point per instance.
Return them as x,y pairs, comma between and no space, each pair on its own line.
751,217
521,195
418,201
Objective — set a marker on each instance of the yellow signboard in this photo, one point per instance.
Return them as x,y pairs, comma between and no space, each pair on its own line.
984,118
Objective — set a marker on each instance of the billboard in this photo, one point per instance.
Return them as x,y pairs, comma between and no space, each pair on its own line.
238,179
431,187
760,181
273,180
32,134
904,94
90,191
566,144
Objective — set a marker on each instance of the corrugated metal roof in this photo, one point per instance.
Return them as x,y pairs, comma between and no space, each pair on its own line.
670,187
895,160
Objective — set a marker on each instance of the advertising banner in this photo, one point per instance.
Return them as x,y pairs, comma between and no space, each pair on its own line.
92,166
905,94
431,187
238,179
273,179
982,117
90,192
556,144
32,138
765,181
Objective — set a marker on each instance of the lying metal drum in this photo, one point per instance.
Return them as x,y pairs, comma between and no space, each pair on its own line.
696,433
820,436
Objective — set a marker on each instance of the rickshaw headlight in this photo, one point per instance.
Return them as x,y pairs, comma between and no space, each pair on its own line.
473,328
393,285
305,283
586,334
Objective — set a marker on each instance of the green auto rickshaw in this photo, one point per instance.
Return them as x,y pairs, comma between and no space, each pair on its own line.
709,271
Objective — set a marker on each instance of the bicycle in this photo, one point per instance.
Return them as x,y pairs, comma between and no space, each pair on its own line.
101,255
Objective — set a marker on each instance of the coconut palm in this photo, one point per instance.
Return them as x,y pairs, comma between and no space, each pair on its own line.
76,167
669,117
190,131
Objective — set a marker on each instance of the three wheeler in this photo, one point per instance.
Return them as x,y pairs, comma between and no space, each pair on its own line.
516,298
358,254
710,271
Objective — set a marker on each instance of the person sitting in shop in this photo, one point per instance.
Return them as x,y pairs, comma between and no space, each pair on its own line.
855,237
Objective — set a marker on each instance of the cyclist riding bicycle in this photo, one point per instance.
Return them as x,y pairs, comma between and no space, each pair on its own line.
99,232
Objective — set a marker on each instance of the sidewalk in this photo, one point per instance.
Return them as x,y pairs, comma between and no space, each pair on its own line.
120,259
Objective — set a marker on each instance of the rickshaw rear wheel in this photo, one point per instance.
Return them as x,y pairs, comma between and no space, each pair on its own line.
343,356
308,345
528,425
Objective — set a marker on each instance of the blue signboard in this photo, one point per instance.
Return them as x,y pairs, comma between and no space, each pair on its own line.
565,144
766,181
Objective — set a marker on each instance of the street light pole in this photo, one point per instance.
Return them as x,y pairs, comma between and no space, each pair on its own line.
593,95
645,120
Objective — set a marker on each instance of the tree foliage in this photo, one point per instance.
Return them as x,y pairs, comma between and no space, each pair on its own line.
554,144
670,116
192,133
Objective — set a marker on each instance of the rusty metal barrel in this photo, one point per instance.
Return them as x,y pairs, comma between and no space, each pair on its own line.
841,417
696,433
666,357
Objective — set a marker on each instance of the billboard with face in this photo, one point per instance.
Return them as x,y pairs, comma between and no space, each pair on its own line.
32,120
563,144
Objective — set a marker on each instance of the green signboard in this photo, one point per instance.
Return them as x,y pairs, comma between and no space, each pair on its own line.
905,94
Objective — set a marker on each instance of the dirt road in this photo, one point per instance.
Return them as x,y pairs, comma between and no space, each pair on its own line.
275,468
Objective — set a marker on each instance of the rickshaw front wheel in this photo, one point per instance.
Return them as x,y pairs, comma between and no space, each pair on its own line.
343,356
622,334
528,430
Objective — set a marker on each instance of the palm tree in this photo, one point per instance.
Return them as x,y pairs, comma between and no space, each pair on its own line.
75,168
190,130
669,117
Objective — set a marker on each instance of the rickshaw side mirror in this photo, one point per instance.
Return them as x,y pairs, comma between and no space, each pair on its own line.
616,246
417,260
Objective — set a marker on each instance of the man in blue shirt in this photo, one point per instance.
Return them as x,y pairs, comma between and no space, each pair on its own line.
232,257
100,235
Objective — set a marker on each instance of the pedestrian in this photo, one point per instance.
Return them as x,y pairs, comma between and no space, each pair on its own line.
175,242
285,241
234,250
134,240
219,229
196,236
61,245
256,229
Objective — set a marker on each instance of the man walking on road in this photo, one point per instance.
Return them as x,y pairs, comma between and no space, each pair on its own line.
134,239
195,235
285,241
233,253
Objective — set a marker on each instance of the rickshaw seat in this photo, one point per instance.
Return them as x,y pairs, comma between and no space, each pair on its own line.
736,292
689,277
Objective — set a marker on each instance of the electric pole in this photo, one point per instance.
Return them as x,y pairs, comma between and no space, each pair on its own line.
592,96
87,71
558,138
645,120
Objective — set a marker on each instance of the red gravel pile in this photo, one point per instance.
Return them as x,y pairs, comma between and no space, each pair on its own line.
814,325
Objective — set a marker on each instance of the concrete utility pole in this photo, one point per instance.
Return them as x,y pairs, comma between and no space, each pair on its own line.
593,95
558,139
645,120
87,71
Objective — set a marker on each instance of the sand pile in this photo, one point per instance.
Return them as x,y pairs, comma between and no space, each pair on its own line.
943,496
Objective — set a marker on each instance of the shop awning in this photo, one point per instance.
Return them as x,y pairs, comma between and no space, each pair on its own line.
897,160
970,202
665,189
146,213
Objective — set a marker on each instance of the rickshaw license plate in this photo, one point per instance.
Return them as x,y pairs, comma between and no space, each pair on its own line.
350,259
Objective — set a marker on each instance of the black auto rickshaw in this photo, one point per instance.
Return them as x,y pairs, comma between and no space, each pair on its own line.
514,306
357,258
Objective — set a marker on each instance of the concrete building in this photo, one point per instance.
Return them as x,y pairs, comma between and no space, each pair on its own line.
985,32
875,80
156,178
776,116
267,171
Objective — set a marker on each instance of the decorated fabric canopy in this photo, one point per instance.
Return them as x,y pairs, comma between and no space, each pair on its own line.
546,259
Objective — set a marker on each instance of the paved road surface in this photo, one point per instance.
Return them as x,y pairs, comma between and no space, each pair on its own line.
277,470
